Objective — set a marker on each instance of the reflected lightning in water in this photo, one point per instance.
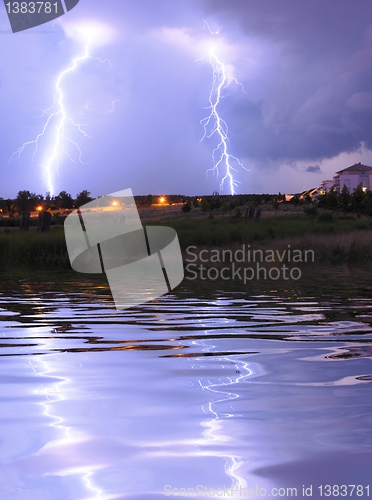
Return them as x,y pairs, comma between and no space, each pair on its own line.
54,394
213,424
183,381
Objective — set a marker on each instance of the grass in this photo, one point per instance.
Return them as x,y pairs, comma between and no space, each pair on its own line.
334,239
33,249
354,247
227,231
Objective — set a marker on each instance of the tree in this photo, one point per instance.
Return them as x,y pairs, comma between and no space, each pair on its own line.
331,199
275,203
9,206
345,198
195,202
83,198
47,201
205,205
225,207
367,209
64,200
3,207
295,200
357,198
23,201
238,213
215,201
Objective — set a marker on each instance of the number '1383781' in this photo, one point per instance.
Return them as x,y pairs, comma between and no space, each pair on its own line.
32,7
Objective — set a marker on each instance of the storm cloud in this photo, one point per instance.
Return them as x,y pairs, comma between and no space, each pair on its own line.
313,169
306,107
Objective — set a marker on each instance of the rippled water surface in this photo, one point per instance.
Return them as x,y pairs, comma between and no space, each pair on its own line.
217,389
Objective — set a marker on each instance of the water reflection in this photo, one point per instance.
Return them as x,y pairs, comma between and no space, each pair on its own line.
213,425
220,389
50,459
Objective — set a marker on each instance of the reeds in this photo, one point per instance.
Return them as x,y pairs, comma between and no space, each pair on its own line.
353,247
33,249
339,241
228,231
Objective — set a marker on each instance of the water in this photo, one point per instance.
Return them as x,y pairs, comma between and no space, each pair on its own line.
228,392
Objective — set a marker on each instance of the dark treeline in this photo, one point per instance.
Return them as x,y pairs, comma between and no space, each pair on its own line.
359,201
228,202
26,201
29,202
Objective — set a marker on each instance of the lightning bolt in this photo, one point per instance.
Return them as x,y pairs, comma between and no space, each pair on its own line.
215,125
88,108
210,30
56,123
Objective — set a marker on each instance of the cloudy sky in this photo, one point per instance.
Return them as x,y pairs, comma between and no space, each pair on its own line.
304,111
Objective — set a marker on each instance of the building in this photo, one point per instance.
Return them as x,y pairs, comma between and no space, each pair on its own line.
352,176
308,193
326,186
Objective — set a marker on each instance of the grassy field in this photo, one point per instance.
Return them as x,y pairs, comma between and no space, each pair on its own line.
227,230
33,249
335,239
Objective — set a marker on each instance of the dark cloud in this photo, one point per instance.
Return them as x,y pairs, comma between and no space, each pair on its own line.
306,69
309,27
313,169
314,88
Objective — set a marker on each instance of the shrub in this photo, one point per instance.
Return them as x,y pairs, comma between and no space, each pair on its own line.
326,217
311,210
339,254
238,213
205,206
225,207
187,207
275,204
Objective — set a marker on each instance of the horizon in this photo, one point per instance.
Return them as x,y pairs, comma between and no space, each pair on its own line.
155,195
159,194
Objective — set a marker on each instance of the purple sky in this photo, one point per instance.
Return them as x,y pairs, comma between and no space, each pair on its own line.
306,112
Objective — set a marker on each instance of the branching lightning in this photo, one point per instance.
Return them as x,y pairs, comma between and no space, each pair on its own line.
210,30
214,124
88,108
55,125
